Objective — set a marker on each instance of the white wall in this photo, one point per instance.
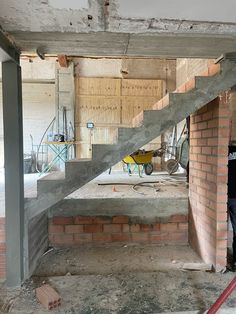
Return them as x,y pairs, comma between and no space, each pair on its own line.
38,92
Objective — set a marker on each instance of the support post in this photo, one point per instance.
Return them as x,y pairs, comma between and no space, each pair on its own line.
14,174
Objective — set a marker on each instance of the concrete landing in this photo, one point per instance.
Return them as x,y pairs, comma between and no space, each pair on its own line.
167,196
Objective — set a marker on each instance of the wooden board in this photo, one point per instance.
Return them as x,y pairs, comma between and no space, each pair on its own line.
97,109
98,86
110,103
132,106
141,88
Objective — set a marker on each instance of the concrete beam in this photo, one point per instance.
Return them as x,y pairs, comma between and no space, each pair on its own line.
14,178
120,44
7,50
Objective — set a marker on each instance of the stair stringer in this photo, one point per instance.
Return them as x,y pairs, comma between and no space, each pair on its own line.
155,122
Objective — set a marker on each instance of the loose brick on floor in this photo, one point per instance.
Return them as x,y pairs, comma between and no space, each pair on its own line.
48,297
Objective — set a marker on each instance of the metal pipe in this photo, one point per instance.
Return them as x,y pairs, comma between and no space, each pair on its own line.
225,294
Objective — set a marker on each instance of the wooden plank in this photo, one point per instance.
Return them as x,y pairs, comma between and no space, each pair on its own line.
131,106
97,86
131,87
97,110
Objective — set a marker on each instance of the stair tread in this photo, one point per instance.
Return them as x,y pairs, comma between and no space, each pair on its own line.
79,160
56,175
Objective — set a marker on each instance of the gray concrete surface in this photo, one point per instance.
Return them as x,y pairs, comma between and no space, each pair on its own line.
121,27
167,195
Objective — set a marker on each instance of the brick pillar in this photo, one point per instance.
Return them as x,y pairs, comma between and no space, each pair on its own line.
209,139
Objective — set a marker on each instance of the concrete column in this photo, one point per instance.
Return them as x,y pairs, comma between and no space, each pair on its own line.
14,177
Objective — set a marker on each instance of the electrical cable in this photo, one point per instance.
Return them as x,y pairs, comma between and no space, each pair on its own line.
40,143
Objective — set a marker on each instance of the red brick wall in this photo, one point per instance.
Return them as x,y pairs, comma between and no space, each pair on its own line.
2,249
73,231
209,139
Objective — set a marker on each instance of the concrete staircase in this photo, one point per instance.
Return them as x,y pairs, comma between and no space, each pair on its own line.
149,124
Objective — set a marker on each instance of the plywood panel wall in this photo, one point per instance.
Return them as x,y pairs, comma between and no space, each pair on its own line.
110,103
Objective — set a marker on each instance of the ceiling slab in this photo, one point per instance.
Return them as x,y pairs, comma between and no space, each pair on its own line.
120,44
173,28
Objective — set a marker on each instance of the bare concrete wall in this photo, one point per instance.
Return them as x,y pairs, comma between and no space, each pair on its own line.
37,239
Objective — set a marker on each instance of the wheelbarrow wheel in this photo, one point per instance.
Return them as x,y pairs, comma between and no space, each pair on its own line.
148,169
171,166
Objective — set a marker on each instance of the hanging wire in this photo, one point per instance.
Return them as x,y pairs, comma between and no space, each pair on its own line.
40,143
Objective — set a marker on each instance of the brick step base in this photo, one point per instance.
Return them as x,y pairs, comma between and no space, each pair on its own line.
2,249
78,230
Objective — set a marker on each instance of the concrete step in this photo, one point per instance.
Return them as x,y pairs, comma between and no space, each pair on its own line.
125,134
203,81
50,181
77,167
106,153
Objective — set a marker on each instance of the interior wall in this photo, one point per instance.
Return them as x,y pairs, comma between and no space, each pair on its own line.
110,92
38,93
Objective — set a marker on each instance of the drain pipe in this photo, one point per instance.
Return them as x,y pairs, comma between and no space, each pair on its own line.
225,294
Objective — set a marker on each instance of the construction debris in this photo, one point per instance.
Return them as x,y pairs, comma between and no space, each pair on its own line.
48,297
197,267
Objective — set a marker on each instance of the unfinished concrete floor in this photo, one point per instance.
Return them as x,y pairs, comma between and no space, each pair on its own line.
165,186
131,279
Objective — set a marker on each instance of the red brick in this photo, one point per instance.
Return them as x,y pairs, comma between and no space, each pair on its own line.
83,220
120,219
165,100
56,229
48,297
181,237
140,237
206,150
190,85
160,238
62,60
93,228
74,229
112,228
2,236
101,237
169,226
146,227
83,238
181,88
120,237
135,228
2,248
179,218
156,227
183,226
63,239
62,220
125,228
102,220
214,69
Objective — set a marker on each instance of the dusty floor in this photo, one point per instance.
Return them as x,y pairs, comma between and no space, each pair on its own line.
131,279
165,186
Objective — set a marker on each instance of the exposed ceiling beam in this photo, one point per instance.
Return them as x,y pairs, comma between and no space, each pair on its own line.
8,50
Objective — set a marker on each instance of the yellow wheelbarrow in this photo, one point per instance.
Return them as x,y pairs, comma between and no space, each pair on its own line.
140,158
